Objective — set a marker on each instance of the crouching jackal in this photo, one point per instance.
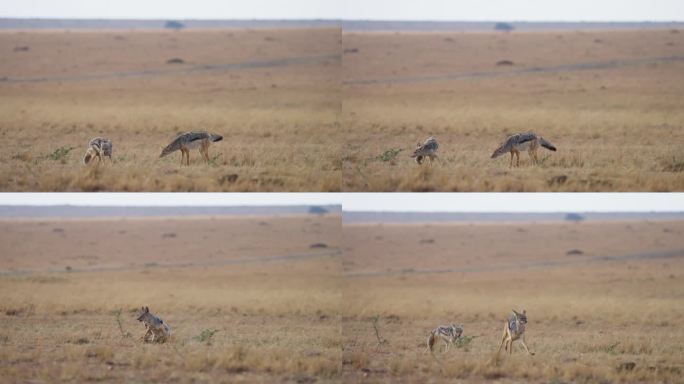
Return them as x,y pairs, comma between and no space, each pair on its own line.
157,330
448,333
98,147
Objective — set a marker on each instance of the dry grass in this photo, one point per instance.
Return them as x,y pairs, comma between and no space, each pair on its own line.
359,317
616,129
250,321
278,123
587,321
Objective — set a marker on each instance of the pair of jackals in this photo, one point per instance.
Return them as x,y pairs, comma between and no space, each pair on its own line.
514,329
101,147
514,144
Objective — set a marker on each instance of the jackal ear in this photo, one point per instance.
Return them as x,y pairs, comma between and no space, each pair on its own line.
524,312
147,309
514,312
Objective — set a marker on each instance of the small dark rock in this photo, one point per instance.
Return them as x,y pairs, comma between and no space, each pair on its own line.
351,50
230,178
628,366
169,235
504,63
427,241
175,60
22,48
574,252
318,245
559,179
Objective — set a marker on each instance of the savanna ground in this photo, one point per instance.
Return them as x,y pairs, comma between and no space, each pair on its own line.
599,297
617,127
272,94
241,309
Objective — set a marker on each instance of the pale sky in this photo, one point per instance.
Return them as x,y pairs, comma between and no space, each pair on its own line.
464,10
407,202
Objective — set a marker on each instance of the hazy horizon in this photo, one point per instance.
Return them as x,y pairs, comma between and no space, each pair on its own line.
427,10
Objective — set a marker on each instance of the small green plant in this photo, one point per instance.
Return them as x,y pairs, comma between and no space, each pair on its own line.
464,342
60,153
205,336
376,319
117,314
673,166
611,348
389,154
214,160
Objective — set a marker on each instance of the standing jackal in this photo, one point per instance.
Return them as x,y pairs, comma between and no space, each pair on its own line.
514,329
98,147
156,328
448,333
528,141
427,149
191,140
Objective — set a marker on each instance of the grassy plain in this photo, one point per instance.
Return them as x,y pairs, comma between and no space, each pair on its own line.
597,298
239,309
272,94
618,126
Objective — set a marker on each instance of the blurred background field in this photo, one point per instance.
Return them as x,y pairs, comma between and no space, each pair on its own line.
272,94
602,299
609,100
239,306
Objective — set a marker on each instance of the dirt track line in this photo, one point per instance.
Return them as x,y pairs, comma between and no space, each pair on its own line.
205,263
517,72
182,70
525,264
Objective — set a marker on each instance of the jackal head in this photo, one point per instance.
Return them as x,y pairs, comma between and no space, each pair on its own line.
458,330
214,138
89,155
498,152
522,317
143,314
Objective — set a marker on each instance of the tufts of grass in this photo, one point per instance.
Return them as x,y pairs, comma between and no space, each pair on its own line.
389,154
205,336
464,341
60,154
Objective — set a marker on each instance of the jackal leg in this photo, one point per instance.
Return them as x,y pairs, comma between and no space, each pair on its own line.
522,340
147,335
505,335
511,165
446,346
204,150
186,155
533,155
182,151
517,158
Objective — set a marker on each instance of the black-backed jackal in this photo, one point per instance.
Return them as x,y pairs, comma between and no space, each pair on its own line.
447,333
427,149
156,328
191,140
514,329
528,141
98,147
